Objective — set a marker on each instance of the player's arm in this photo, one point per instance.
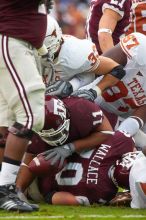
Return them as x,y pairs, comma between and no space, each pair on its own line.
62,198
102,133
116,53
66,198
113,72
25,176
107,25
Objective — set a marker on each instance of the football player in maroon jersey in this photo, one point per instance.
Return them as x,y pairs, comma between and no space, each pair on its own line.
20,84
87,177
72,126
107,21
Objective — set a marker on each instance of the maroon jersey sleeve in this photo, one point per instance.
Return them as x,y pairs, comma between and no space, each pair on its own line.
122,7
85,117
25,20
87,174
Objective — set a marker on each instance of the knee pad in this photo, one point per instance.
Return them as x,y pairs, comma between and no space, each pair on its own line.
20,131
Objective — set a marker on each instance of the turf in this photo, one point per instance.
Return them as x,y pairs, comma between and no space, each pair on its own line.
75,213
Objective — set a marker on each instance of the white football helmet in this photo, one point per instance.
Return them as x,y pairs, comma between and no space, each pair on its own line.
53,37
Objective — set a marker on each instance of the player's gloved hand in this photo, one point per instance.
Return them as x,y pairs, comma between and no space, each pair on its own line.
59,154
59,88
90,94
121,199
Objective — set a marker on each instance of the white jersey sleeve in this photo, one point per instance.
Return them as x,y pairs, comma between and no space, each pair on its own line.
137,176
81,80
77,56
134,46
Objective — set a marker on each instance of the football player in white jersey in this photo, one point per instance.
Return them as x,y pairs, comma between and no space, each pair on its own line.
129,173
137,180
128,96
77,61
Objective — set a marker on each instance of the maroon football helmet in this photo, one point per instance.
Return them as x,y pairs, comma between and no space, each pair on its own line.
56,128
119,173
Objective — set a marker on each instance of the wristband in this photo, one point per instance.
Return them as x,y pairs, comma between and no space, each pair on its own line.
105,30
98,90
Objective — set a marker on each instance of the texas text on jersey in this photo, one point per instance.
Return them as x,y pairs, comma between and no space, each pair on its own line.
130,92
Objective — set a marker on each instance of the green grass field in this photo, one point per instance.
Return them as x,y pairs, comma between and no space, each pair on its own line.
75,213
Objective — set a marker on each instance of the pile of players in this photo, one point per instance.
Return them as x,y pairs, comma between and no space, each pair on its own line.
94,124
94,134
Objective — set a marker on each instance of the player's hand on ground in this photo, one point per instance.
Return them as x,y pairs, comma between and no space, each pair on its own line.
121,199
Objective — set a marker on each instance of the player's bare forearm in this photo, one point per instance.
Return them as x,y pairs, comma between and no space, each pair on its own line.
25,176
106,41
92,141
107,26
64,198
107,81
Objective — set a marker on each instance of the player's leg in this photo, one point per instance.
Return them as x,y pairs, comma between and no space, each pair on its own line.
4,126
19,73
137,182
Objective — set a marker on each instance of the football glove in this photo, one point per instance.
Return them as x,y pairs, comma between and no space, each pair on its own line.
59,88
59,154
121,199
90,94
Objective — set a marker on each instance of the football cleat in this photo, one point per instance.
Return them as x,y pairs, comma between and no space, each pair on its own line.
9,200
23,198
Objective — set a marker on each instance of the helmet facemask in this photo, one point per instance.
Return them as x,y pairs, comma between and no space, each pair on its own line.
57,122
53,37
58,137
